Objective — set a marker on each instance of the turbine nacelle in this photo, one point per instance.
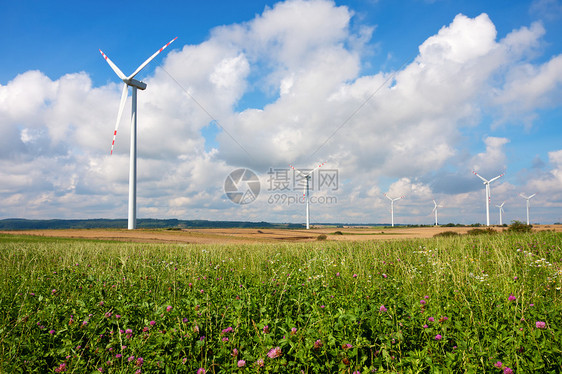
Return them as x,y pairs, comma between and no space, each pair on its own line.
135,83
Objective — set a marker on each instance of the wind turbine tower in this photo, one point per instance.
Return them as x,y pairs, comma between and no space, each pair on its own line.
528,198
306,194
501,211
135,84
392,206
488,196
435,211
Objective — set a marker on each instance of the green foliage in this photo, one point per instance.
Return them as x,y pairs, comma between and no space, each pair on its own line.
459,304
486,231
322,237
519,227
338,233
446,234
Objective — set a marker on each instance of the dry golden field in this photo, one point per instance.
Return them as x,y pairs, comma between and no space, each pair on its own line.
227,236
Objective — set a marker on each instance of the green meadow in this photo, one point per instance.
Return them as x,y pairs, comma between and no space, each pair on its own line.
486,303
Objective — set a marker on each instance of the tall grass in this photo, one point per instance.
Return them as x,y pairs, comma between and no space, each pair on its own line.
465,303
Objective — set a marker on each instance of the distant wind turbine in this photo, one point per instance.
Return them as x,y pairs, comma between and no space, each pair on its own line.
306,194
135,84
528,198
488,196
501,211
392,206
435,211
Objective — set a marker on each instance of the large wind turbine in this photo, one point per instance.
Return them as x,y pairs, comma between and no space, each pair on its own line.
528,198
501,211
135,84
488,196
392,206
306,193
435,211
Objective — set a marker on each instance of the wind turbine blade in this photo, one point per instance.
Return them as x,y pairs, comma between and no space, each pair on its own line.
388,197
120,113
150,59
523,196
498,177
317,167
113,66
298,171
530,197
479,176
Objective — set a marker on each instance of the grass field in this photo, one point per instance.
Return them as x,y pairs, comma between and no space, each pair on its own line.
486,303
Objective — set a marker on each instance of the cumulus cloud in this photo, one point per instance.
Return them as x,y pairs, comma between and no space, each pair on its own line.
402,129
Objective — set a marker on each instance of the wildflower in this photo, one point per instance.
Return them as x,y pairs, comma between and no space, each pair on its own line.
130,359
107,315
337,274
117,316
426,297
266,329
382,308
511,297
201,371
62,367
260,362
168,308
443,319
140,361
384,275
53,331
152,323
225,340
322,306
356,372
234,352
227,330
54,291
540,325
293,331
438,337
128,331
498,364
422,302
118,355
425,326
346,346
354,275
241,363
274,352
431,319
318,344
507,370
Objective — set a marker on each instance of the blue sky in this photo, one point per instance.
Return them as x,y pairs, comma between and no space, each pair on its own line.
458,85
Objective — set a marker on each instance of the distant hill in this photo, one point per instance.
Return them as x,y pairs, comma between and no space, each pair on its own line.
32,224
